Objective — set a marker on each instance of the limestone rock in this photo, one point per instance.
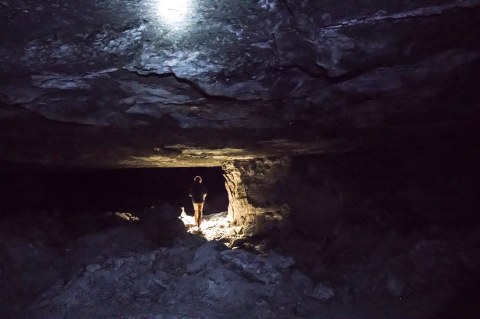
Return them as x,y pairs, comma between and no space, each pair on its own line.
302,282
394,286
255,190
94,248
206,256
251,266
322,292
281,262
25,261
273,76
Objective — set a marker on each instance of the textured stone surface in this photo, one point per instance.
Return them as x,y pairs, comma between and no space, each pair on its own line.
255,191
322,292
391,223
255,268
189,279
122,83
118,272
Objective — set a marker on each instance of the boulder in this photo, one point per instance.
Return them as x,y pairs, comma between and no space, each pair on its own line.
300,281
322,292
206,256
395,286
253,267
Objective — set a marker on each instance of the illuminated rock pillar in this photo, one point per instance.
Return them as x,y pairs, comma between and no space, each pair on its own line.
256,190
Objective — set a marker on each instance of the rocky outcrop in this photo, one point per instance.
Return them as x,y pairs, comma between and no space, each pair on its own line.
260,269
255,191
191,278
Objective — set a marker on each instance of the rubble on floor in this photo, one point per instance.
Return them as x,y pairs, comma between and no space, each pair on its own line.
193,279
123,271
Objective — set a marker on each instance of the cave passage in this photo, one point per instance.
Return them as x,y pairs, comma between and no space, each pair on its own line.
338,141
95,191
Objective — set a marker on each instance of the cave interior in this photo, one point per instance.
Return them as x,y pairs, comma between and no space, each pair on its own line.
338,142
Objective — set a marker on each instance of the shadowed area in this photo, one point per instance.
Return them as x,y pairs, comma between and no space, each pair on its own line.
24,187
337,140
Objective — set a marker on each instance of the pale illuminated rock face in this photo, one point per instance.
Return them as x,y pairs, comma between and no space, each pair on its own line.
256,194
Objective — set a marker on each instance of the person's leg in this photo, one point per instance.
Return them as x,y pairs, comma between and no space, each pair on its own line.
200,214
196,209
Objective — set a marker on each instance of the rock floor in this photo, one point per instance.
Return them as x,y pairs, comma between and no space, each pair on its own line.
121,271
194,278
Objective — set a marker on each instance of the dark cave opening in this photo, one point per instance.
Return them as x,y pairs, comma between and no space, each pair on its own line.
56,206
105,190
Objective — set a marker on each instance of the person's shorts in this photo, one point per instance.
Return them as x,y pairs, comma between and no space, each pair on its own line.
198,206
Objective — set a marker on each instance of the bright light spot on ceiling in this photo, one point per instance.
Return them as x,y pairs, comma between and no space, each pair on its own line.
173,12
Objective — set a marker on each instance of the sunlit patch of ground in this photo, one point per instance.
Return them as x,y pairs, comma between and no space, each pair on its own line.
213,227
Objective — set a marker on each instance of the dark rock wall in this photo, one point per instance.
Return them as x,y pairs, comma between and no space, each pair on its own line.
402,186
398,224
401,190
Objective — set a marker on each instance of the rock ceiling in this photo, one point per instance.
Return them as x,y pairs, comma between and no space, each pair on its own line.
197,82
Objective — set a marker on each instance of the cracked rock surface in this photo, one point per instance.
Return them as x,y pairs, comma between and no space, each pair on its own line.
145,84
120,271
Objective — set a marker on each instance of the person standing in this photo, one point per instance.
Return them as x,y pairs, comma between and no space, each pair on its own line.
198,193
